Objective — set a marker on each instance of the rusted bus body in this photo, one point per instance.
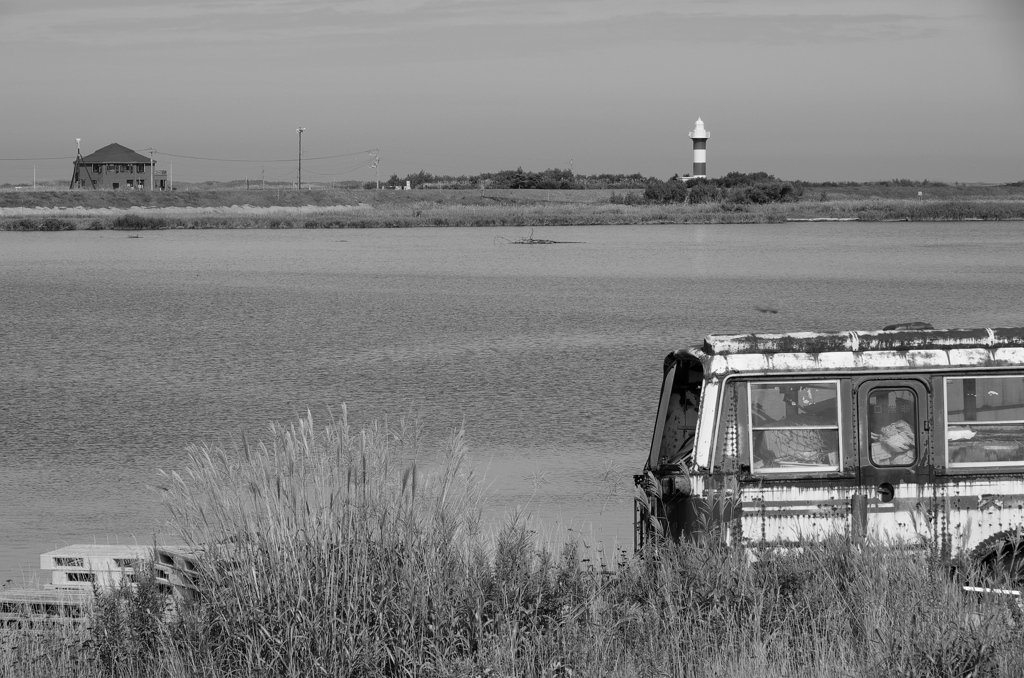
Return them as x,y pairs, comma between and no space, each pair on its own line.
903,435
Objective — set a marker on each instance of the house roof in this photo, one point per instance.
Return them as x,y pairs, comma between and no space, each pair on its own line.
115,153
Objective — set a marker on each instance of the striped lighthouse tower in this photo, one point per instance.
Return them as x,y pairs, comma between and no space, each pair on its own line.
700,145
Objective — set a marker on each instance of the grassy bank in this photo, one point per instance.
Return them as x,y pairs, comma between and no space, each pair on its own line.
335,552
227,209
292,198
532,214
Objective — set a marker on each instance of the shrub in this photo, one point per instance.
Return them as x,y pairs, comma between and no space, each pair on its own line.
135,222
659,191
702,191
630,198
322,223
763,193
733,179
44,224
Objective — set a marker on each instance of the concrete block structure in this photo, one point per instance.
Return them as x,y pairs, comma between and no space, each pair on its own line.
33,606
81,566
176,569
77,571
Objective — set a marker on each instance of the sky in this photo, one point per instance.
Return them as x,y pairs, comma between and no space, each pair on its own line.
818,90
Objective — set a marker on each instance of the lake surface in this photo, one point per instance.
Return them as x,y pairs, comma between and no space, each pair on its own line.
116,352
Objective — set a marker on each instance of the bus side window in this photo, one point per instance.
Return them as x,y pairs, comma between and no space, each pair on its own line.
985,421
892,424
795,426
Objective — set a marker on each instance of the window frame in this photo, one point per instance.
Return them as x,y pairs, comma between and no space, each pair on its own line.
790,470
919,451
967,465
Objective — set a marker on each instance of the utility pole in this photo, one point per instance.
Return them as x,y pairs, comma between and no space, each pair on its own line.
75,177
376,162
300,131
152,168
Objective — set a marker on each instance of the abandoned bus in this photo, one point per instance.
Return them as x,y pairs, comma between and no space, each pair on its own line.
898,434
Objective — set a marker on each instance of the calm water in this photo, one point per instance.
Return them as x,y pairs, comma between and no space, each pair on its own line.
116,353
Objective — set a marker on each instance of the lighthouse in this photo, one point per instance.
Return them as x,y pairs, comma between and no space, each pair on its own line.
700,145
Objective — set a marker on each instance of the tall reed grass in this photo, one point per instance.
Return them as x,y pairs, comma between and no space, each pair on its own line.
325,550
328,551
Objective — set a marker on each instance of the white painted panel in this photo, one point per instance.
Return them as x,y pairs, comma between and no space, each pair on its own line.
969,356
1009,356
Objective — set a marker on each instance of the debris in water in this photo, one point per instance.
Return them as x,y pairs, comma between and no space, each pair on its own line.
530,240
826,219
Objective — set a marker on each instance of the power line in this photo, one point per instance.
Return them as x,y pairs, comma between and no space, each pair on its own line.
281,177
193,157
414,152
323,157
340,155
338,174
66,157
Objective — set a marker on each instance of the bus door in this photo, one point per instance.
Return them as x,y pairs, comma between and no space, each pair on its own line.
895,469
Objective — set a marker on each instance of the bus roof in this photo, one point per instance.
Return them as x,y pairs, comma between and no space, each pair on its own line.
900,349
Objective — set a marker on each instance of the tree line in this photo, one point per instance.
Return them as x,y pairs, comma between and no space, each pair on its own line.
734,187
552,178
741,188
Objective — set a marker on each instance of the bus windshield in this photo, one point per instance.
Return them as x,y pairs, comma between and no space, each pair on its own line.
680,426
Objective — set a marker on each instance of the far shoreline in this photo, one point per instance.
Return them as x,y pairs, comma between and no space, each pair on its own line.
341,209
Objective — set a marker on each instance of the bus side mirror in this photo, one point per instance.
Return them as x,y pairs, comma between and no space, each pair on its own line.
675,481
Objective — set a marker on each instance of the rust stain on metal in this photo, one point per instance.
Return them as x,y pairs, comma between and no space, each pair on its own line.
878,340
964,509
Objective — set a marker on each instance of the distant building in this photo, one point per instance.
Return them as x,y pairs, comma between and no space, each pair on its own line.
82,566
117,167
